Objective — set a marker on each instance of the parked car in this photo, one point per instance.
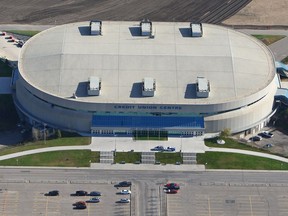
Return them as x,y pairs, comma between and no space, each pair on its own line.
95,193
125,200
80,205
125,192
170,191
173,186
269,145
93,200
158,148
256,138
20,43
81,193
266,134
170,149
124,184
53,193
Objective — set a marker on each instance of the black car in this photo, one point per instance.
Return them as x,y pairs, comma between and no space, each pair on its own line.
172,186
53,193
266,134
79,205
124,184
256,138
81,193
95,193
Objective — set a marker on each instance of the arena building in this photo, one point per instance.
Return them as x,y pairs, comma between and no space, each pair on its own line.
128,78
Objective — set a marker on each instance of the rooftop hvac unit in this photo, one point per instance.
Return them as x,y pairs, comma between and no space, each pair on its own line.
94,86
203,87
95,27
148,87
146,27
196,29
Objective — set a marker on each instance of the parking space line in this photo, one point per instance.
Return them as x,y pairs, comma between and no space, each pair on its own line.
209,207
251,207
46,207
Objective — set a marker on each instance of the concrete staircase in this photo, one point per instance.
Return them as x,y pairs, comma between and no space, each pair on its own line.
107,157
148,157
189,158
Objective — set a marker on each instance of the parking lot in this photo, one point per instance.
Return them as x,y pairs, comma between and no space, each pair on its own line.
228,200
214,193
30,200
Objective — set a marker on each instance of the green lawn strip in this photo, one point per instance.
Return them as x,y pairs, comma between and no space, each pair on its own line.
8,114
285,60
128,157
5,70
23,32
64,141
222,160
69,158
230,143
168,158
269,39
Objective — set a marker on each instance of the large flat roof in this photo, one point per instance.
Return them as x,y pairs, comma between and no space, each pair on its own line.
60,60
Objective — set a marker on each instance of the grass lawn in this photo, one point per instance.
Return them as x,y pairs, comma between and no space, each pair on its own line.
5,70
168,158
222,160
128,157
8,114
23,32
269,39
230,143
64,141
285,60
71,158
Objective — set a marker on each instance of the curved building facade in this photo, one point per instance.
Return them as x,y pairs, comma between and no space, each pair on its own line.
122,79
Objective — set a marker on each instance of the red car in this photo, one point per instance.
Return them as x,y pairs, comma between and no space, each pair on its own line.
170,191
173,186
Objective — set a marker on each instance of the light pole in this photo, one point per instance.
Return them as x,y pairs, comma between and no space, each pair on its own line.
44,132
115,143
181,143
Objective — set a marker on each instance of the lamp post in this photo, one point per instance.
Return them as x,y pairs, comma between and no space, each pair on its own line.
115,144
181,143
44,132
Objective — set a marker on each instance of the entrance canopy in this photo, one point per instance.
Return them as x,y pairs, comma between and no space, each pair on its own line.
147,122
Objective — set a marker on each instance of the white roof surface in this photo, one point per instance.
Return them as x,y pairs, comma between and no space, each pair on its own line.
58,59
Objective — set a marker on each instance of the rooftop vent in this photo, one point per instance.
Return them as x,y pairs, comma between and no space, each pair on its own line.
196,29
146,27
94,86
203,87
95,27
148,87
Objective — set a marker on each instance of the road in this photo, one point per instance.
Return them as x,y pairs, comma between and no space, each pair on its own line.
90,175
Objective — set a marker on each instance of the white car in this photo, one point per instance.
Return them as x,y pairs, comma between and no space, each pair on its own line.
125,192
124,201
170,149
158,148
93,200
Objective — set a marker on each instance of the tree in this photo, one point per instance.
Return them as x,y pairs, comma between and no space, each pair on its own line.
225,133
